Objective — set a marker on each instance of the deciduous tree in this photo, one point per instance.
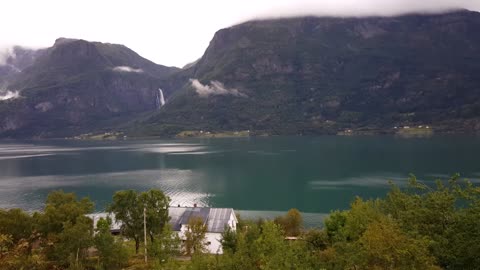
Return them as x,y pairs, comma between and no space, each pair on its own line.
112,254
195,236
129,210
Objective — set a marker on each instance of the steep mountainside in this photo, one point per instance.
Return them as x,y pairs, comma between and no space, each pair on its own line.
77,86
317,75
14,60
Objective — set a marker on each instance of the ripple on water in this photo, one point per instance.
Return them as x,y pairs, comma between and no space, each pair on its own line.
362,181
178,184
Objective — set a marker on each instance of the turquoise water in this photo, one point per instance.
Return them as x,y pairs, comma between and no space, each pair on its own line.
259,176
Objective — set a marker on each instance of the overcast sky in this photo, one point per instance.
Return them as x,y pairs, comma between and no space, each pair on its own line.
174,32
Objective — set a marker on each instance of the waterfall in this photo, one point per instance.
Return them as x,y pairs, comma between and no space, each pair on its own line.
160,99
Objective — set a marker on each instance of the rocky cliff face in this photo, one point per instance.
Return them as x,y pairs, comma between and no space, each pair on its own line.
14,60
325,75
78,86
304,75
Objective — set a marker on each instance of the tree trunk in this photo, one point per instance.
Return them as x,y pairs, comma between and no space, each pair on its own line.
152,238
137,245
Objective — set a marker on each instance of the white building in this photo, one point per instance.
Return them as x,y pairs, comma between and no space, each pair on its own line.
215,219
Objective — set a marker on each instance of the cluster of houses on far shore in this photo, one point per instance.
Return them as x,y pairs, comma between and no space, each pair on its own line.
215,219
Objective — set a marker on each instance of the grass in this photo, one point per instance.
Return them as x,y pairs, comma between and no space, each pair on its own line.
137,261
415,132
208,134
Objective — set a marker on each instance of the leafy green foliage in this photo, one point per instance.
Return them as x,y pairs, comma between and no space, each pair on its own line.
441,214
61,208
66,231
128,207
16,223
384,245
229,240
14,256
260,247
112,253
195,236
418,227
156,204
166,246
291,223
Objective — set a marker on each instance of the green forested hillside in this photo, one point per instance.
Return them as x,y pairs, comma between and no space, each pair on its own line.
77,86
314,75
306,75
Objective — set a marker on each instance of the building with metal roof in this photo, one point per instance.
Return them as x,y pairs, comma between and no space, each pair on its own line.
215,219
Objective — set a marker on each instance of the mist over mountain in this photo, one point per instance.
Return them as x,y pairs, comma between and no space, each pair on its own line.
13,60
324,75
77,86
304,75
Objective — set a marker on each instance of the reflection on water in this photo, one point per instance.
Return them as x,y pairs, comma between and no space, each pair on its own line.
175,183
264,175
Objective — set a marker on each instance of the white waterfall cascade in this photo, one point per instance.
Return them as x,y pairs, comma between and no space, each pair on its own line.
160,98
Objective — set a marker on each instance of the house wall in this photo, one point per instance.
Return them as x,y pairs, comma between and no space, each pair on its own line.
215,245
232,223
212,240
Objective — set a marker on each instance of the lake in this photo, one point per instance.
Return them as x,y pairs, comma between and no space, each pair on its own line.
261,176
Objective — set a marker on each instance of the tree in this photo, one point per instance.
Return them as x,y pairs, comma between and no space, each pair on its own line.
291,223
16,223
156,204
71,244
316,239
61,207
229,240
129,210
383,245
195,236
265,248
335,225
447,213
128,206
112,254
65,229
18,255
167,246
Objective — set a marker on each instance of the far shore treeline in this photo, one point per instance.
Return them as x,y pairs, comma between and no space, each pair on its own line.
416,227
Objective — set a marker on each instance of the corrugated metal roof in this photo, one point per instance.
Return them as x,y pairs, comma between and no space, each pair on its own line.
218,219
215,218
183,215
175,214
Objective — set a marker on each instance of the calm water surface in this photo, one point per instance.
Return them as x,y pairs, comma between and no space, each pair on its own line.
260,176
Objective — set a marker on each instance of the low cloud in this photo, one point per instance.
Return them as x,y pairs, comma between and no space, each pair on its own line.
7,94
127,69
5,54
214,88
360,8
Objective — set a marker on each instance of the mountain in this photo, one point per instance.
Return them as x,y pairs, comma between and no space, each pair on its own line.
75,87
14,60
324,75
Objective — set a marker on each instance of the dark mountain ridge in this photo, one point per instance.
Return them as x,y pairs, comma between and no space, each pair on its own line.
77,86
324,75
306,75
